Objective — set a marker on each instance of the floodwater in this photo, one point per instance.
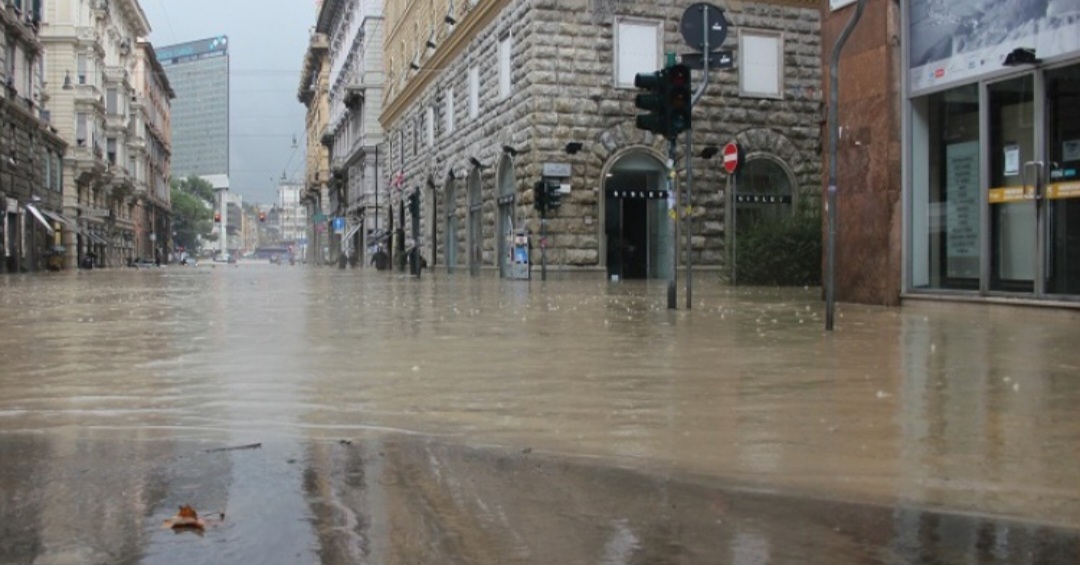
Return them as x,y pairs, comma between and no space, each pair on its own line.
350,417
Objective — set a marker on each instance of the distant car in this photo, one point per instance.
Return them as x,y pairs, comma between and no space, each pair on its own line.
224,258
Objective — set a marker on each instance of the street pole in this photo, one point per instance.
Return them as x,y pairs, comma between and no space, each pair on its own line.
673,197
690,161
224,222
834,133
543,245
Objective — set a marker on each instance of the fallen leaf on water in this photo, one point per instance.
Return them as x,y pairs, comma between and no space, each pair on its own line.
187,519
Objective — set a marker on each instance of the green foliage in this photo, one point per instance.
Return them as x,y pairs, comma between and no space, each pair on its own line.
782,253
192,205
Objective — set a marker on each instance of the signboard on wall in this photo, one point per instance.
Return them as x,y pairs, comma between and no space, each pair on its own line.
958,40
837,4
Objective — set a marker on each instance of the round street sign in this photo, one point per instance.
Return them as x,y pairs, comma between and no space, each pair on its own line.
703,20
732,157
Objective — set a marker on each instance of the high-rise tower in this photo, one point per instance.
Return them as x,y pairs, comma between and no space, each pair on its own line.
199,74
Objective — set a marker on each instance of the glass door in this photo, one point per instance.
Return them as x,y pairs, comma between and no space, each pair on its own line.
1034,192
1062,195
1012,202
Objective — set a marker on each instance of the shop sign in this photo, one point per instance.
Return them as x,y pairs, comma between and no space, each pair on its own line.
96,212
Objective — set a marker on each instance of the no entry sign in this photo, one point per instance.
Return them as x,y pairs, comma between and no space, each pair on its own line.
732,157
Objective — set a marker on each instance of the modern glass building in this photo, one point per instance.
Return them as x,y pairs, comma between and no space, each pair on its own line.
199,73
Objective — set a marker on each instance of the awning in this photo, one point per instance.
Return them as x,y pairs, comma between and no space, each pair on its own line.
352,231
96,238
60,218
40,218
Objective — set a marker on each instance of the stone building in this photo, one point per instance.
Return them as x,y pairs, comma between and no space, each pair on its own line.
91,58
353,35
483,97
31,152
150,145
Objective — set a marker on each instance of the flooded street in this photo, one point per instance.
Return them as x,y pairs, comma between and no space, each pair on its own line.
343,417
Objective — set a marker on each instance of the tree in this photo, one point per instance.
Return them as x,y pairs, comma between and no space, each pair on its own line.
192,209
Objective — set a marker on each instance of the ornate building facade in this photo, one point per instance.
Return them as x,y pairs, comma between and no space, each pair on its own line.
91,48
351,134
151,150
31,152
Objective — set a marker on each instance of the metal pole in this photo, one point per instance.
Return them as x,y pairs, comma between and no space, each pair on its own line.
543,245
834,132
688,229
734,229
690,160
224,223
673,292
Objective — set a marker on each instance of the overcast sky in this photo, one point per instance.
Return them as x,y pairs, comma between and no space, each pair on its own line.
267,42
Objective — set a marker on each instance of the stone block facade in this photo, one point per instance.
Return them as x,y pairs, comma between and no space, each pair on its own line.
563,90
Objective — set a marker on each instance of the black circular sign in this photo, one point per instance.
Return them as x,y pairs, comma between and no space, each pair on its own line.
694,30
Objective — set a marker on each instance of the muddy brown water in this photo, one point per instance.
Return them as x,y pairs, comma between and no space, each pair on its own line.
460,420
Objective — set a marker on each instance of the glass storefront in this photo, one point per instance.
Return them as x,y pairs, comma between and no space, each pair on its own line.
994,166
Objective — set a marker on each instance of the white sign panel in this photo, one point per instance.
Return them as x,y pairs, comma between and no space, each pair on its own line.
958,40
962,208
837,4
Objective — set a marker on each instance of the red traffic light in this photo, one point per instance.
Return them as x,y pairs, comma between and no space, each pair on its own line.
217,217
262,216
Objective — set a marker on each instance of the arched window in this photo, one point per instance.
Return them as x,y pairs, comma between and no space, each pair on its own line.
765,191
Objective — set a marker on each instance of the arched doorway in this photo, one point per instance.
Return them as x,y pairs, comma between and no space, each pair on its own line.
505,220
451,232
476,208
637,231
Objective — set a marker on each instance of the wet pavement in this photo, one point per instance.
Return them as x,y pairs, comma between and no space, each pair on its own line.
459,420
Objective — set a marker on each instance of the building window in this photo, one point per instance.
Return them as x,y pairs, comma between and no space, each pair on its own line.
474,92
110,101
430,123
761,64
767,188
81,68
80,129
637,49
110,150
505,70
450,111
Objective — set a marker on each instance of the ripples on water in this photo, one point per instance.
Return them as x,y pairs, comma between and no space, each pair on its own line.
114,382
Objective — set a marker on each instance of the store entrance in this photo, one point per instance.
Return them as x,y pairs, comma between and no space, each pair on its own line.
1034,192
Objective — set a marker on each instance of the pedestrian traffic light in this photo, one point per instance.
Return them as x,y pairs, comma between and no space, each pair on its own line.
217,217
554,196
540,196
679,100
653,101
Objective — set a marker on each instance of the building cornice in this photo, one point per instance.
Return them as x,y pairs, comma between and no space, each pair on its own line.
453,45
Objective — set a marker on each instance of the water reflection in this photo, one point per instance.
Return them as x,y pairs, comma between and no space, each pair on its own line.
494,422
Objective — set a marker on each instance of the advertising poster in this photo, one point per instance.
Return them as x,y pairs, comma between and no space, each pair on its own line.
957,40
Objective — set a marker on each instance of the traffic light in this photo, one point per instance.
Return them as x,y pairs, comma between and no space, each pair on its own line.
652,101
262,216
679,101
217,217
540,196
554,197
